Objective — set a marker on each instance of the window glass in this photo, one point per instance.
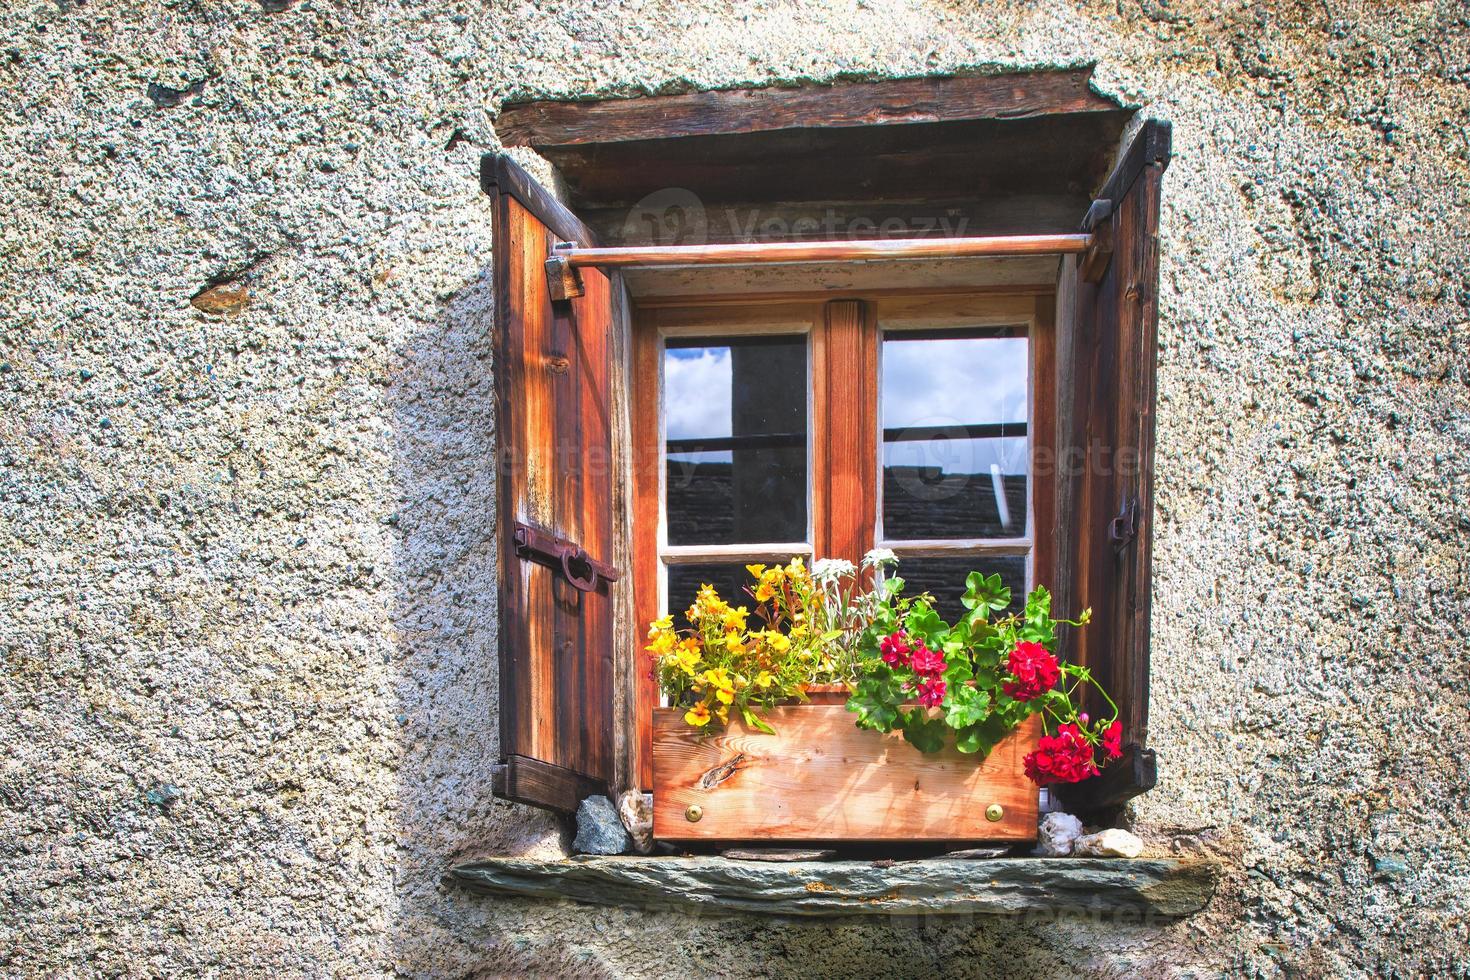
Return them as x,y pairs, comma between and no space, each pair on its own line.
945,578
955,453
735,429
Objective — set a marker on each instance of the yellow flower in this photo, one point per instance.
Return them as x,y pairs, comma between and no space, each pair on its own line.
755,570
662,643
686,659
725,694
698,716
662,623
734,619
763,592
734,643
716,677
724,715
764,679
778,642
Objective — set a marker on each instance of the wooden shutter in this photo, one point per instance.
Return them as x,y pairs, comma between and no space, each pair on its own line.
553,369
1107,346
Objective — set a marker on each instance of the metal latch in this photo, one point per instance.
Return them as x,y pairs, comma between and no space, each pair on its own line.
583,571
1124,528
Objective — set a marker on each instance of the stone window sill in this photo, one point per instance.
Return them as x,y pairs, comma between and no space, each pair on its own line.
1138,890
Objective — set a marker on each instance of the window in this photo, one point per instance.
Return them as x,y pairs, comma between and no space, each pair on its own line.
658,428
950,389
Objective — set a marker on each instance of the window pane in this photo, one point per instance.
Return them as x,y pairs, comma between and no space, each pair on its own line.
729,579
735,424
955,452
945,578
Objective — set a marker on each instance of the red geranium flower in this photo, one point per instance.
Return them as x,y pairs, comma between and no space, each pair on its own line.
926,662
931,692
1035,670
895,649
1065,757
1112,740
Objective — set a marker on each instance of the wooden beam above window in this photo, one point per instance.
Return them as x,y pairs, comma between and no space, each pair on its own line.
900,101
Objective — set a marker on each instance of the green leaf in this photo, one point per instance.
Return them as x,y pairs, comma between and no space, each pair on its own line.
984,594
958,671
1038,605
893,586
923,622
971,739
966,706
875,703
755,721
922,732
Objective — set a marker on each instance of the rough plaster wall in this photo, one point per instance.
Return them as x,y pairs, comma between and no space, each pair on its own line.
246,573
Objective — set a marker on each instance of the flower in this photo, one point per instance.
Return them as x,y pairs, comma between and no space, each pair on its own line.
1035,670
879,556
734,643
698,716
1065,757
685,658
755,570
734,619
895,649
1112,740
778,642
926,662
931,692
832,568
764,680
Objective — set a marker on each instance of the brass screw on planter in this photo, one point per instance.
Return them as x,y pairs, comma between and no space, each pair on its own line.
994,812
694,812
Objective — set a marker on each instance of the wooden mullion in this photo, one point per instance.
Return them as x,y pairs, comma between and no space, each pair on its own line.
647,483
847,431
1042,436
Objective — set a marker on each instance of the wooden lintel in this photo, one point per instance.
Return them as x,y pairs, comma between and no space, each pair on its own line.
811,106
881,249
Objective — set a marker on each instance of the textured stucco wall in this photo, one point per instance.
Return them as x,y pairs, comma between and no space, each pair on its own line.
245,566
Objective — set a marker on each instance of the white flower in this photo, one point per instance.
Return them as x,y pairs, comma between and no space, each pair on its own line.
880,556
831,568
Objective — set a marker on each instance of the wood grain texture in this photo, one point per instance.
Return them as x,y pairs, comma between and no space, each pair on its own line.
899,101
1106,364
845,421
499,174
553,363
866,250
821,778
631,742
647,488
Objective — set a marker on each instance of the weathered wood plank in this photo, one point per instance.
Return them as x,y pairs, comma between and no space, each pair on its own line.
821,778
843,104
1107,355
553,446
1120,891
499,174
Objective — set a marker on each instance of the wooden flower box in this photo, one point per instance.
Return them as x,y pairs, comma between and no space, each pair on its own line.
820,778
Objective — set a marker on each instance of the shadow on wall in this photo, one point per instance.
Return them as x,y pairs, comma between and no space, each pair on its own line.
444,631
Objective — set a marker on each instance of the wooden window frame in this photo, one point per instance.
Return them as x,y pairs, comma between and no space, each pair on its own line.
844,432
